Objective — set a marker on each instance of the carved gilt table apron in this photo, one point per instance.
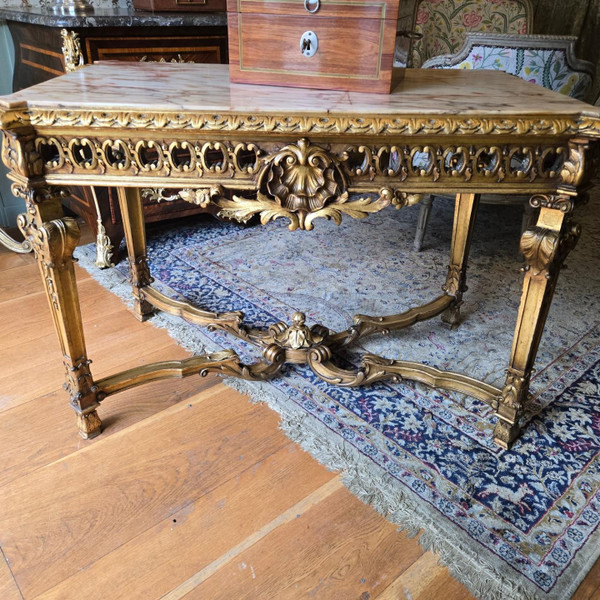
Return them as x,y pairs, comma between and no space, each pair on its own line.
296,154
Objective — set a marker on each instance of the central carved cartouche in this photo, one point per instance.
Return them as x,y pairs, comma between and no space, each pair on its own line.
301,182
303,178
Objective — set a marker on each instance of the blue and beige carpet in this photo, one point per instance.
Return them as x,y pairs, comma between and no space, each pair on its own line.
520,524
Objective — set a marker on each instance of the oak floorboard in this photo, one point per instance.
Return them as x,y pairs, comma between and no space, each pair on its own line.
10,260
590,586
151,564
114,343
64,516
44,430
8,586
34,315
27,282
426,579
339,549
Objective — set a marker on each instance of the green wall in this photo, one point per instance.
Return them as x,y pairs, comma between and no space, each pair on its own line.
10,206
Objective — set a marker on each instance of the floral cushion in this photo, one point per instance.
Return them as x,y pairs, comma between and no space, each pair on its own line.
444,23
544,66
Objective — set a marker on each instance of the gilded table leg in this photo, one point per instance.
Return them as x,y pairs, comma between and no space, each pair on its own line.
424,212
544,247
464,220
130,202
53,239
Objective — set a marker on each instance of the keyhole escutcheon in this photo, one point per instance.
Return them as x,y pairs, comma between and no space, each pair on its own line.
309,43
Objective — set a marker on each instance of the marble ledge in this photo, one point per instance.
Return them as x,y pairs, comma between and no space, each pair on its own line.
113,17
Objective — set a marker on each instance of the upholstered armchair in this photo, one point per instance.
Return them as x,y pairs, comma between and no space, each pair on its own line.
548,61
441,26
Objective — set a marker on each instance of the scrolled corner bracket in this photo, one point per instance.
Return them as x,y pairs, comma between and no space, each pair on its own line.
40,194
71,50
573,170
561,202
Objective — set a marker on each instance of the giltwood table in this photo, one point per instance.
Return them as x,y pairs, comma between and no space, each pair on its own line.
299,155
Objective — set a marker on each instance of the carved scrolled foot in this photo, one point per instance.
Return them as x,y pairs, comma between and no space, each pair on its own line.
142,309
89,425
506,433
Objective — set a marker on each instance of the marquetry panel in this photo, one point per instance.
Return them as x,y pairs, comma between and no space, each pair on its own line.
206,45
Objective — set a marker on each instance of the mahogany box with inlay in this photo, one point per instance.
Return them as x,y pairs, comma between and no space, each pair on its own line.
323,44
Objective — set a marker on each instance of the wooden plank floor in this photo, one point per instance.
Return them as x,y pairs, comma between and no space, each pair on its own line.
191,492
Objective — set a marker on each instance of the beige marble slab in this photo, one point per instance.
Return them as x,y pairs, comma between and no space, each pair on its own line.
198,87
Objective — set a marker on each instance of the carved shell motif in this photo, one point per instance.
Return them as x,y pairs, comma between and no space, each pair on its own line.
302,178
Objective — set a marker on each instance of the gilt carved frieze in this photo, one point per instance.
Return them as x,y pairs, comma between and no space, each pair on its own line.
226,159
301,125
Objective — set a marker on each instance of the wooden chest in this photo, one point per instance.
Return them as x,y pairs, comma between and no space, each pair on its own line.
324,44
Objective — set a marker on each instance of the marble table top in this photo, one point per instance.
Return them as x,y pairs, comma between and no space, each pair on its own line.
112,17
199,88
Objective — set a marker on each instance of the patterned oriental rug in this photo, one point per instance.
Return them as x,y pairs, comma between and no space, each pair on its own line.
519,524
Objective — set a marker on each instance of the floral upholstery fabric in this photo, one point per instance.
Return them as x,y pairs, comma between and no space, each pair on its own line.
444,23
544,66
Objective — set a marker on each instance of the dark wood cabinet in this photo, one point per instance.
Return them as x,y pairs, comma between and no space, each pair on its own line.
124,37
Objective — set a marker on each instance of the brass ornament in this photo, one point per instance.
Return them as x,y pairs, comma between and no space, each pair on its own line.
71,50
158,195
